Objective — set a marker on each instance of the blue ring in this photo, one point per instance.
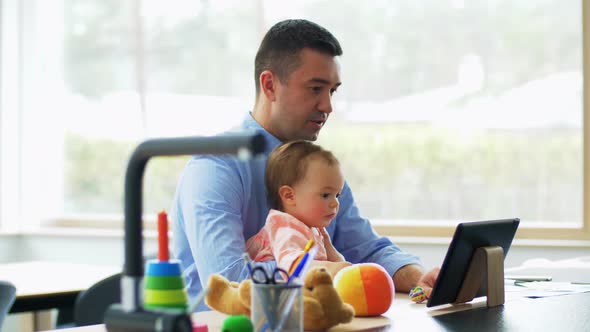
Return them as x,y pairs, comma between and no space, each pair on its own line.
155,267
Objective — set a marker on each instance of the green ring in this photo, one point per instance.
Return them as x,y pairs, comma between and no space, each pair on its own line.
166,306
164,282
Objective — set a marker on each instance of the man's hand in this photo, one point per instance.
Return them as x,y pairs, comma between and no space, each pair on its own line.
331,252
412,275
427,281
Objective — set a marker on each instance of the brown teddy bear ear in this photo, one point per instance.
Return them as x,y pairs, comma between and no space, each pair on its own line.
317,276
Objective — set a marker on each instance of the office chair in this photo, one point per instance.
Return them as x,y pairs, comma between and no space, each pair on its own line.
7,296
92,303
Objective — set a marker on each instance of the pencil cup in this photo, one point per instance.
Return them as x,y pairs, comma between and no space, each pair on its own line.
277,307
164,286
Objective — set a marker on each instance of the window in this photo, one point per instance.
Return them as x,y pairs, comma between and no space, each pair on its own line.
450,110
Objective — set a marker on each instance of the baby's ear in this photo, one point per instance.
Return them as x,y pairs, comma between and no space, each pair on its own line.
287,195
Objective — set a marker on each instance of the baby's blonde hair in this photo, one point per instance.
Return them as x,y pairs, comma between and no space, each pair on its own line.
287,165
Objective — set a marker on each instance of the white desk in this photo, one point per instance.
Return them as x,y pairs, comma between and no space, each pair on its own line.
48,285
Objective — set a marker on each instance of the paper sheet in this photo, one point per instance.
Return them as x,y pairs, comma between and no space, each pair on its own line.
536,289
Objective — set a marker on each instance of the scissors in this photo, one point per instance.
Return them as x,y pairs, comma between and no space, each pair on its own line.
261,276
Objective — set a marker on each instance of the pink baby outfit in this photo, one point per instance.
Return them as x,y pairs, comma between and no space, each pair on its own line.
283,239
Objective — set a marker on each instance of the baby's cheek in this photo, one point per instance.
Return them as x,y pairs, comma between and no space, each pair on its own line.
320,211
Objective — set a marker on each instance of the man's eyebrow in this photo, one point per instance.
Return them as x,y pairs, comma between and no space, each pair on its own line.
323,81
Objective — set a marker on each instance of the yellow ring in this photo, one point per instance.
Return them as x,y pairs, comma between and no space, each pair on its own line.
172,296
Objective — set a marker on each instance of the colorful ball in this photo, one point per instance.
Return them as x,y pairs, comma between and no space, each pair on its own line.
417,295
367,287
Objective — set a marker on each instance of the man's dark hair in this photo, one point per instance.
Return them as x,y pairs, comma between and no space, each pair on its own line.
280,47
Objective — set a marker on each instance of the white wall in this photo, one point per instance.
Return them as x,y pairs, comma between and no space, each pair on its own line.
100,250
10,250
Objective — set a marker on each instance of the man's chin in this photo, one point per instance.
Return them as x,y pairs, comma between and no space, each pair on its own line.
305,135
311,136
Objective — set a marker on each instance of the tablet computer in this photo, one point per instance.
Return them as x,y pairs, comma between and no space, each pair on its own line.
467,238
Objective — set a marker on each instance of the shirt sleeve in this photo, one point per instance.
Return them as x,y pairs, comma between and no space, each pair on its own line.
210,197
354,237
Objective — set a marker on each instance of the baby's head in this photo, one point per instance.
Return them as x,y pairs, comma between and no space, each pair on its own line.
304,180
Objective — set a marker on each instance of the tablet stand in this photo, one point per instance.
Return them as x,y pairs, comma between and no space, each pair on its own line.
487,263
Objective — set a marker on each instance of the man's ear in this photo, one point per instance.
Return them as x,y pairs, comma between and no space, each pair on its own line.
268,84
287,195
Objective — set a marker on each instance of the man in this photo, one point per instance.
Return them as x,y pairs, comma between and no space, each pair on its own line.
220,202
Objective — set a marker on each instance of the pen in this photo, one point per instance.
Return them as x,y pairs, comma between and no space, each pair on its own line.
527,278
300,271
308,246
304,263
248,261
198,299
287,307
286,301
267,312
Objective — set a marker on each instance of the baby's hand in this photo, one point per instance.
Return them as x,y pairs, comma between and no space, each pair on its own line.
333,254
332,267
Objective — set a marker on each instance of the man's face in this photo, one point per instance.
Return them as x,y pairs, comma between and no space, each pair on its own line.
304,101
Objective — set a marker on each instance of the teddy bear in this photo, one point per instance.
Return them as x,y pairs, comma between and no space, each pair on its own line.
322,306
228,297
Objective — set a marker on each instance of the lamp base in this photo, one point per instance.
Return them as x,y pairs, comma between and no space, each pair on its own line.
118,320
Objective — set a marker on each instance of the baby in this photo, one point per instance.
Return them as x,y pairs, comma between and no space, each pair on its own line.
303,183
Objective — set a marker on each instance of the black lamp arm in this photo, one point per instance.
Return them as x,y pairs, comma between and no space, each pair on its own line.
243,144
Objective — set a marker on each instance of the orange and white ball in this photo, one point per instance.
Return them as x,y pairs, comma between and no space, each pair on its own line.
367,287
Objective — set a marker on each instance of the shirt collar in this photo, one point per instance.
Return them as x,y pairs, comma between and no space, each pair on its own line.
271,141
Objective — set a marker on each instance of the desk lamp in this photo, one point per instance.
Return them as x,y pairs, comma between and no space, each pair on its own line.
130,315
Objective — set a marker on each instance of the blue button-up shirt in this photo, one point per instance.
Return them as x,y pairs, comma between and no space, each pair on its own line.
220,202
